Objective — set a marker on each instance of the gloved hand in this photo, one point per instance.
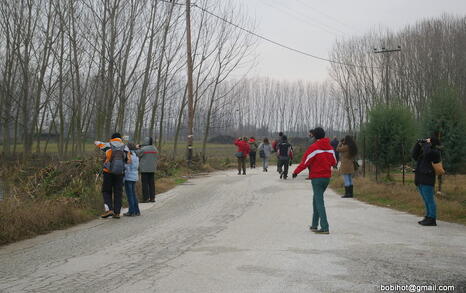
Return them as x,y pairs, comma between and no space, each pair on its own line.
294,175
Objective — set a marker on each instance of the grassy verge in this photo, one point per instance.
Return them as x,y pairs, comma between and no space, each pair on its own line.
43,194
451,205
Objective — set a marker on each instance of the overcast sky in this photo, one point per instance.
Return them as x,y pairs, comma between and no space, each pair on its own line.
313,26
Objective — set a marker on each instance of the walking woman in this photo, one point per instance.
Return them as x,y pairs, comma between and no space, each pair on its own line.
348,151
242,153
265,150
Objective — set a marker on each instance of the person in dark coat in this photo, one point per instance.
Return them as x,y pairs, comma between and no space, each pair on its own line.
425,153
284,156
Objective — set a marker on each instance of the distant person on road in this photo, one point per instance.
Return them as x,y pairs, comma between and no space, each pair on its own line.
242,153
320,157
334,143
148,155
252,151
284,156
425,153
275,143
265,150
116,155
348,149
131,177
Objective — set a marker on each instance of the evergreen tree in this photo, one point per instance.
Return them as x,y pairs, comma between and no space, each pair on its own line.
389,134
446,118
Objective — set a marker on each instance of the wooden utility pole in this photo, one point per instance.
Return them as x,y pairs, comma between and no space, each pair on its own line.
190,85
386,52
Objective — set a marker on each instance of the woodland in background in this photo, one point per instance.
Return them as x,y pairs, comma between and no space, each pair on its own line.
74,71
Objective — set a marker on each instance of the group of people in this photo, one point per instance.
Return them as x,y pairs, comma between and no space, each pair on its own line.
323,155
123,164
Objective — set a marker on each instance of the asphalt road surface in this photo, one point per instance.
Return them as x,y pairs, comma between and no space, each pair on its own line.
230,233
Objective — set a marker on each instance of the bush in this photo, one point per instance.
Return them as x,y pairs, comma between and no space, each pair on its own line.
222,139
445,117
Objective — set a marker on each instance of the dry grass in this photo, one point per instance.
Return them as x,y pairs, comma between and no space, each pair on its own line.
44,194
451,205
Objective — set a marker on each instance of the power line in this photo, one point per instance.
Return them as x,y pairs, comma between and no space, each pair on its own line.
270,40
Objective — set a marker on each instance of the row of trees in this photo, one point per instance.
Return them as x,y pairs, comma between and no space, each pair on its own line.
80,69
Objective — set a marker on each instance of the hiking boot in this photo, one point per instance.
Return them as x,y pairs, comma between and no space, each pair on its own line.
239,173
265,169
347,192
281,175
320,231
106,214
116,216
137,214
422,221
128,214
313,229
428,222
244,173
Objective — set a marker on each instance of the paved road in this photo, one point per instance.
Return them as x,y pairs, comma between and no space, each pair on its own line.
230,233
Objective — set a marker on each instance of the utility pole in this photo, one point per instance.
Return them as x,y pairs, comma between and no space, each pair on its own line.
190,85
386,52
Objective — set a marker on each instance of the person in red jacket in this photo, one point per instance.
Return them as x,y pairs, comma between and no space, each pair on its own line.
319,158
242,153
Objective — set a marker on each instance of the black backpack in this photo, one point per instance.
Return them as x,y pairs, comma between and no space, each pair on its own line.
117,160
283,149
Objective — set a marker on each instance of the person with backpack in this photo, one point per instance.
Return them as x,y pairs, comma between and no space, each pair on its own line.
348,150
252,151
242,153
131,176
284,156
320,158
265,150
116,155
147,154
274,145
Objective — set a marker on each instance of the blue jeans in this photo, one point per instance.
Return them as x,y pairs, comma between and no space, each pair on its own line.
427,193
132,200
319,185
348,179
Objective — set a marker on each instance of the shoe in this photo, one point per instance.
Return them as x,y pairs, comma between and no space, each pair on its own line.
239,173
428,222
116,216
137,214
313,229
347,192
244,173
281,175
152,200
422,221
128,215
284,177
106,214
320,231
265,169
350,190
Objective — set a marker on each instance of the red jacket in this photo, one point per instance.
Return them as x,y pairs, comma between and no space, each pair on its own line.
319,157
243,146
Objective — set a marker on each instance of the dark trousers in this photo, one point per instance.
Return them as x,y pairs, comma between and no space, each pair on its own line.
148,186
282,166
319,185
112,188
252,159
242,165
